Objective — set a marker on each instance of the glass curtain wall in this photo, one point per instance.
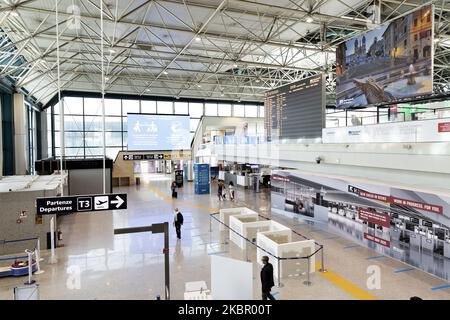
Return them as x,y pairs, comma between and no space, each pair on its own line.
83,122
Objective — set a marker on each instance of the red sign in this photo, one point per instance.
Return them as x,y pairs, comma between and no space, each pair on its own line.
402,202
444,127
418,205
379,218
378,240
284,179
373,196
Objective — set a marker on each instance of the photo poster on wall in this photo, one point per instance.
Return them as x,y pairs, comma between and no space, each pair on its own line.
408,225
295,111
151,132
388,64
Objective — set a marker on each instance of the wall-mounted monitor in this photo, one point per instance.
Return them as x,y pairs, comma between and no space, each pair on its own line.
150,132
388,64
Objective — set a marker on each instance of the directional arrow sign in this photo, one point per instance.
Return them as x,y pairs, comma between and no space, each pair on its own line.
84,203
118,202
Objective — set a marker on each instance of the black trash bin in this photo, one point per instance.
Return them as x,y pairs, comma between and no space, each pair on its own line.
138,181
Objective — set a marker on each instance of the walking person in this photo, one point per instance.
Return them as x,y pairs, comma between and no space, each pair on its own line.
173,187
178,220
266,279
231,190
219,189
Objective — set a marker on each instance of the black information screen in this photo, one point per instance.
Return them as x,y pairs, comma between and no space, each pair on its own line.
296,111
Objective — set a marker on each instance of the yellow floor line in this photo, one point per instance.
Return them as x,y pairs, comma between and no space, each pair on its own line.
330,275
344,284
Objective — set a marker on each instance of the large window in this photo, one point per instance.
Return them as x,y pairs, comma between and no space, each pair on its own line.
148,106
211,109
251,111
164,107
224,110
83,122
181,108
238,110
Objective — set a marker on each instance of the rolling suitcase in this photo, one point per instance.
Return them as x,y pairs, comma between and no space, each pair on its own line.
174,194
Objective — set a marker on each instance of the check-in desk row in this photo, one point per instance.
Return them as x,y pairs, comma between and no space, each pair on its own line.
422,240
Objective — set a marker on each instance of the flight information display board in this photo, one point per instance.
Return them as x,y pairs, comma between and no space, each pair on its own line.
296,111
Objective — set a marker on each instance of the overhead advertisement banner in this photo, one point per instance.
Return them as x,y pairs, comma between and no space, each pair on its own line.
148,132
390,63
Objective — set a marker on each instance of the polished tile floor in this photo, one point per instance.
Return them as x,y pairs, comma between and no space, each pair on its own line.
95,264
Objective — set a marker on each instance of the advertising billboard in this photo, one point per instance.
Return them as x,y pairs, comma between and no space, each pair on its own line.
391,63
383,217
151,132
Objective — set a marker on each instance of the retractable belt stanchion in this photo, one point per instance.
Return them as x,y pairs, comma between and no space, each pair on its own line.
30,266
322,269
307,282
279,273
37,253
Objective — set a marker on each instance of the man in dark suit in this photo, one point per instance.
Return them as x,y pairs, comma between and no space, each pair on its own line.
267,279
178,220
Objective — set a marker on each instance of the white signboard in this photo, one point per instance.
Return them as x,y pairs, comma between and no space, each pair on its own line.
231,279
436,130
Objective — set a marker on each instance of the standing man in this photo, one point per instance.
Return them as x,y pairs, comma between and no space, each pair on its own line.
178,220
267,279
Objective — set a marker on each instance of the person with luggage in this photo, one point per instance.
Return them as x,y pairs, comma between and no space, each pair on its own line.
219,189
231,190
178,220
224,193
173,187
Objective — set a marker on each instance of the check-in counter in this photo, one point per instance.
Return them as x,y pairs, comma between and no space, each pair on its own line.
242,181
427,244
395,234
447,249
414,240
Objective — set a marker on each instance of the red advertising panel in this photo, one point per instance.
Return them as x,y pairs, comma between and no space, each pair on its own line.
278,178
418,205
444,127
399,201
379,218
373,196
378,240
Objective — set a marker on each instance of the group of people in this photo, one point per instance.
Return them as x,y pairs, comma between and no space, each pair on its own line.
222,190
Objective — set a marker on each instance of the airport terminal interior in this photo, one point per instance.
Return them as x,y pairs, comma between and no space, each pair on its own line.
224,150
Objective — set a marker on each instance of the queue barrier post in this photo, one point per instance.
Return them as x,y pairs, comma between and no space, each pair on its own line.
37,253
210,224
30,267
322,269
307,282
279,285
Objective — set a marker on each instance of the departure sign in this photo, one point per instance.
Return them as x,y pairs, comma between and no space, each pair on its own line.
67,205
149,156
296,110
